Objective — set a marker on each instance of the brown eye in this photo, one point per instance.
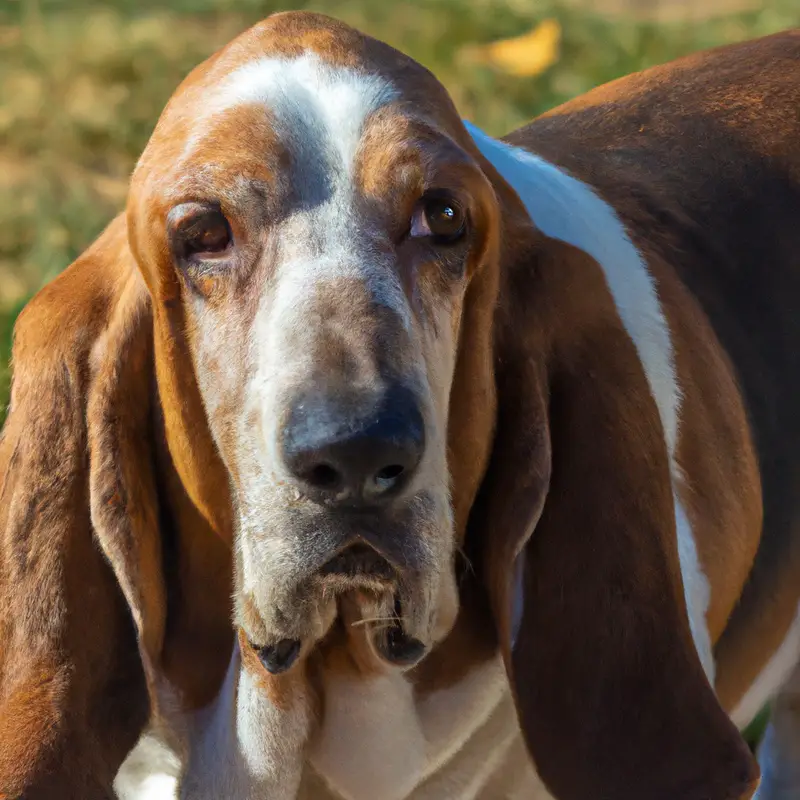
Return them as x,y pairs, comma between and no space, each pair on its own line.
204,234
439,217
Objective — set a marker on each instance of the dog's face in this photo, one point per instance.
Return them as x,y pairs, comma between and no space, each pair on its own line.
320,221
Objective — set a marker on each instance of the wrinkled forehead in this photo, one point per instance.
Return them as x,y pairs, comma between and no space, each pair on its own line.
294,101
296,120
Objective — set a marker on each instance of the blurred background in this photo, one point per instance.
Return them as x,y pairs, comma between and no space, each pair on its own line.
82,84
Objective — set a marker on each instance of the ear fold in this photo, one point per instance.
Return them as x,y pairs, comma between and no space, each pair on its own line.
577,520
81,590
124,501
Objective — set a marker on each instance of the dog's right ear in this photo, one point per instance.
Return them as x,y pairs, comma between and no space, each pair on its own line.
82,600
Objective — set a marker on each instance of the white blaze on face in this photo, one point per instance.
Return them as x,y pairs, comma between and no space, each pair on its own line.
317,247
317,112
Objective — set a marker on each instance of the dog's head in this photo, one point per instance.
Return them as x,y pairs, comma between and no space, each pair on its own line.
311,209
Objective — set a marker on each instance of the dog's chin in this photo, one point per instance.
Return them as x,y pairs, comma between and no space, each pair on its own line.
377,631
376,616
380,586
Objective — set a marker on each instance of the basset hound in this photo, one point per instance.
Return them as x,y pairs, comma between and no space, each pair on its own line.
368,457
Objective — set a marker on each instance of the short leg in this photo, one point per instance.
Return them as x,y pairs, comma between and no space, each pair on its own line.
779,753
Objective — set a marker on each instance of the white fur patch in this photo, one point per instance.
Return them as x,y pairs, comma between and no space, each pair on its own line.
150,772
371,744
774,675
306,98
695,586
244,747
378,741
569,210
450,717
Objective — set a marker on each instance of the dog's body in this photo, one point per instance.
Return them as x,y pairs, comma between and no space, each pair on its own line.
591,327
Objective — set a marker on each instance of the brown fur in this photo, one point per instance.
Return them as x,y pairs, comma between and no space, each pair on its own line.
700,159
604,633
73,695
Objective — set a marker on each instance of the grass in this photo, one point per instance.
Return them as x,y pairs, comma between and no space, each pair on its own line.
83,84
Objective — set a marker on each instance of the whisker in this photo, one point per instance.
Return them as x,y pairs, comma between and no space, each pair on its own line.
467,563
384,626
369,620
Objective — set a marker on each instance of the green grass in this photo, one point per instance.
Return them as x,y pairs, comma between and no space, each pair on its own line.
82,85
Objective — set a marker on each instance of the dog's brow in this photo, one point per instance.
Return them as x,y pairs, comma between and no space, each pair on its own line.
318,110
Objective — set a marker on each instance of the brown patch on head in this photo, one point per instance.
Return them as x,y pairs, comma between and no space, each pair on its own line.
220,154
291,34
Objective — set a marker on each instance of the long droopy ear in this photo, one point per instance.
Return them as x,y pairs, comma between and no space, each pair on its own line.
576,521
82,601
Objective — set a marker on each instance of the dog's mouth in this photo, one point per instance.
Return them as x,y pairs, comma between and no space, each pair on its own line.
368,588
364,569
357,564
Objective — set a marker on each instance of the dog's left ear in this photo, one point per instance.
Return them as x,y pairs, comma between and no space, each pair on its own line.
580,557
575,526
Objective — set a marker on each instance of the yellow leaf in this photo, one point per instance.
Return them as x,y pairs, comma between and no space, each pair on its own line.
522,56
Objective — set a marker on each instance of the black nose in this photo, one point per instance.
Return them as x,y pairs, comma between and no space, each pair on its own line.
357,451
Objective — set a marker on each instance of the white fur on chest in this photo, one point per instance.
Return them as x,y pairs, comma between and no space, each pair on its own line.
150,772
378,740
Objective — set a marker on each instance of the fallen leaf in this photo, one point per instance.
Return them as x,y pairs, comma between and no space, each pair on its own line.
522,56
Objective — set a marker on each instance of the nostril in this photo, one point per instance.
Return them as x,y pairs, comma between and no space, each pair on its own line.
386,478
323,476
